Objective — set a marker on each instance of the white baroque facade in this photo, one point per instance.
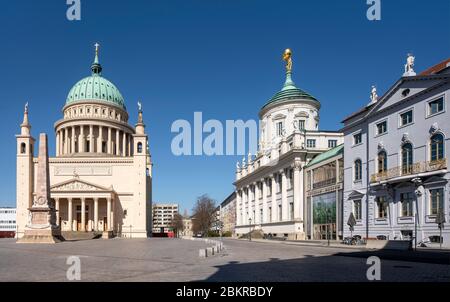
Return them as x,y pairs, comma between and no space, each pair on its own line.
101,176
270,185
396,178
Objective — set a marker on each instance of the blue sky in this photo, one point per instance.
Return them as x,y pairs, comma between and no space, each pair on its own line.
219,57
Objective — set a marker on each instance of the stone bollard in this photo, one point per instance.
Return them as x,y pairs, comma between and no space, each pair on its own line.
210,251
203,253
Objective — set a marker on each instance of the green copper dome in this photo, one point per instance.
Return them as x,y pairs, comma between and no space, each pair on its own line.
290,92
95,87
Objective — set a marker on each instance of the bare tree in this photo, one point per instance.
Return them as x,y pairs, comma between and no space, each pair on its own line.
203,214
177,223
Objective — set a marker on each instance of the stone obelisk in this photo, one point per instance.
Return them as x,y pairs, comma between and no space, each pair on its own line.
41,226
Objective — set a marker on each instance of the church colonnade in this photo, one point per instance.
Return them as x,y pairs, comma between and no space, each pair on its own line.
100,139
85,214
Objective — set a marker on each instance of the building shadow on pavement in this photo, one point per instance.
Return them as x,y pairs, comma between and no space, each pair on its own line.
339,267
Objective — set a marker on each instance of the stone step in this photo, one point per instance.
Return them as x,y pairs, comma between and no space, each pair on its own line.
76,236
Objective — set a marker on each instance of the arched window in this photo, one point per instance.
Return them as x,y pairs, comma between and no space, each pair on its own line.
139,147
407,158
382,161
437,147
23,148
358,170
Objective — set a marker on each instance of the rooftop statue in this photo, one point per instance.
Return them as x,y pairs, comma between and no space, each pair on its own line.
287,56
373,95
409,71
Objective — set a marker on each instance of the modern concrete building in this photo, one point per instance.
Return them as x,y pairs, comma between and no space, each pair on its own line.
228,213
323,194
101,175
269,187
396,156
8,224
187,227
163,214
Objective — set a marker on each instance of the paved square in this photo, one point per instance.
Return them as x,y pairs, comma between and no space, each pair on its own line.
177,260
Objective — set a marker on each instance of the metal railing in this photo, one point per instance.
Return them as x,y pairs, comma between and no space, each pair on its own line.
416,168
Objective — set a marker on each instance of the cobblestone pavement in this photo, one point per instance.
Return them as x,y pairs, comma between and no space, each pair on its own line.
177,260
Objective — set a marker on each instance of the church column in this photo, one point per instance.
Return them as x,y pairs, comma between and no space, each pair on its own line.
70,218
57,210
83,214
66,140
100,140
129,145
82,140
57,143
109,144
91,139
117,142
72,148
284,203
96,214
108,212
113,211
124,144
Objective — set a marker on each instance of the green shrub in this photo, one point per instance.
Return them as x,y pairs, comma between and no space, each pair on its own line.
227,234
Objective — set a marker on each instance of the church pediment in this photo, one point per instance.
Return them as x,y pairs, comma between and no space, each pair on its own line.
76,185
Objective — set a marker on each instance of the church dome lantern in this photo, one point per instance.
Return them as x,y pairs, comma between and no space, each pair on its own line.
96,88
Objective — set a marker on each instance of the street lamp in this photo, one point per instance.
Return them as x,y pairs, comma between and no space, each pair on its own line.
250,229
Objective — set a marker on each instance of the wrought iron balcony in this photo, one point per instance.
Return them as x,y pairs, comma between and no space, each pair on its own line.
416,168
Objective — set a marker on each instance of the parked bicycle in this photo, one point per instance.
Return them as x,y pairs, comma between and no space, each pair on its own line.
355,240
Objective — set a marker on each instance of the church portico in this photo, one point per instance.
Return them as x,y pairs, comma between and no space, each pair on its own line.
84,207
